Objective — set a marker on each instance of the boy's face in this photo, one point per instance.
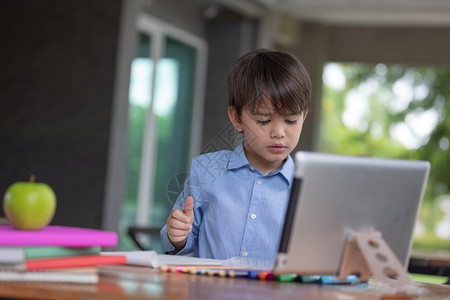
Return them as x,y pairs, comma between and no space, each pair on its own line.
268,136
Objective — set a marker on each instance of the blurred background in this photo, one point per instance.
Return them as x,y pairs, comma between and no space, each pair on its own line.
107,101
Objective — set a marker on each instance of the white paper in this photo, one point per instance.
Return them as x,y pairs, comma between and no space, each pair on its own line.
179,260
155,260
12,255
138,258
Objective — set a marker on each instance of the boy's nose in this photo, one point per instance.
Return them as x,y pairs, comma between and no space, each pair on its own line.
277,131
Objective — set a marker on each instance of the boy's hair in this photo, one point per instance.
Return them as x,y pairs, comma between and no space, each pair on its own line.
273,75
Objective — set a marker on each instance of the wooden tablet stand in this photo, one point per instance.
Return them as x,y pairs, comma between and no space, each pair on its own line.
367,254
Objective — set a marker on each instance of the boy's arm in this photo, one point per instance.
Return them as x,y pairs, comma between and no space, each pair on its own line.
188,248
190,243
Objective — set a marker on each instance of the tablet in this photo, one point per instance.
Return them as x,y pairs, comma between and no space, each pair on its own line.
334,196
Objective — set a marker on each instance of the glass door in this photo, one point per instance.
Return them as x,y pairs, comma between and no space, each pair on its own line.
165,99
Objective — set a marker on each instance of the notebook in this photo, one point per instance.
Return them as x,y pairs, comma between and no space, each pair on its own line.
88,275
333,196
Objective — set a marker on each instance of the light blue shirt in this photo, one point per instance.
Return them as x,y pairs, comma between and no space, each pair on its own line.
237,210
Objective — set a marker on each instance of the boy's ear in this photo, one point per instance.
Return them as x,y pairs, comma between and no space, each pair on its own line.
234,118
305,113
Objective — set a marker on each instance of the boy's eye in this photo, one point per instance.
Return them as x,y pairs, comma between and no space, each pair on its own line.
291,122
263,122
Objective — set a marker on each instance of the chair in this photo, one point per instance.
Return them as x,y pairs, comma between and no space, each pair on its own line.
430,266
133,232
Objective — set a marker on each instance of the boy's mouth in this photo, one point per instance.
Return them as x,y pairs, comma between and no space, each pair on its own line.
276,149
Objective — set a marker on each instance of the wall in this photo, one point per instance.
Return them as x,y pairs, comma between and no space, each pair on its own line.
184,14
407,45
58,61
229,35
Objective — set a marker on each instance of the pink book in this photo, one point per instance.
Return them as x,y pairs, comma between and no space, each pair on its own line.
57,236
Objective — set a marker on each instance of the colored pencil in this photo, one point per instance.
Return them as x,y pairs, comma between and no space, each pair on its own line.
220,271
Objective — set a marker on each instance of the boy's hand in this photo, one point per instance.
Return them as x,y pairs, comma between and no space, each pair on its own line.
179,224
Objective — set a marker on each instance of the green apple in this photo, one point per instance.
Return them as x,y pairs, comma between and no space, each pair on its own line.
29,205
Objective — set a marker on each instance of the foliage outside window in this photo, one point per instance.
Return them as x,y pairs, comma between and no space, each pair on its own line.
394,111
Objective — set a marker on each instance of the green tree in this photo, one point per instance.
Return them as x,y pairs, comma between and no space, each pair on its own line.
384,110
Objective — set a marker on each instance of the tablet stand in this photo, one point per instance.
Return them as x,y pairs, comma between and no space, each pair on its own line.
367,254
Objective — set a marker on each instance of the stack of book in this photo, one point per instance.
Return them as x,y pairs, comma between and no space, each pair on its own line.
55,254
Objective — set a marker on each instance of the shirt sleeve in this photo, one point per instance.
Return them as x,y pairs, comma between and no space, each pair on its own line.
191,188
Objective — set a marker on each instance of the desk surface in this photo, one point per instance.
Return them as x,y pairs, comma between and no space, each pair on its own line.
178,286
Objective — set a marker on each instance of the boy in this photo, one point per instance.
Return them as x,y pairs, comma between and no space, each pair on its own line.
234,202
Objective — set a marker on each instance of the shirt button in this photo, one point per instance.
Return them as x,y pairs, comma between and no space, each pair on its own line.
251,168
245,253
259,181
253,216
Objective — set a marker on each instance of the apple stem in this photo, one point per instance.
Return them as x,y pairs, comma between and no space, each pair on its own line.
32,178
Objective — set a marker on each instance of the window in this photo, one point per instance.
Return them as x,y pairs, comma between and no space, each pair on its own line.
394,111
165,111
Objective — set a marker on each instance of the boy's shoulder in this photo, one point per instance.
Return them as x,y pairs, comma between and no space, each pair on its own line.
213,160
220,158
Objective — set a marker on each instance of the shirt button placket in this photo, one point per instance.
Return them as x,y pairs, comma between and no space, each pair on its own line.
253,217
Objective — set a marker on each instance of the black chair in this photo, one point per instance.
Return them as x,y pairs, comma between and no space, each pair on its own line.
134,231
430,266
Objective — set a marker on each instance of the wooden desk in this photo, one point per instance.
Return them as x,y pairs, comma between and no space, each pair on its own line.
178,286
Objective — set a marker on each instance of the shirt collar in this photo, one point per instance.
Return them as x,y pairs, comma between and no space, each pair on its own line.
287,170
239,160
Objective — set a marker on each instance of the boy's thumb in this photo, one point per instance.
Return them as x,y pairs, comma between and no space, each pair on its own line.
189,207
